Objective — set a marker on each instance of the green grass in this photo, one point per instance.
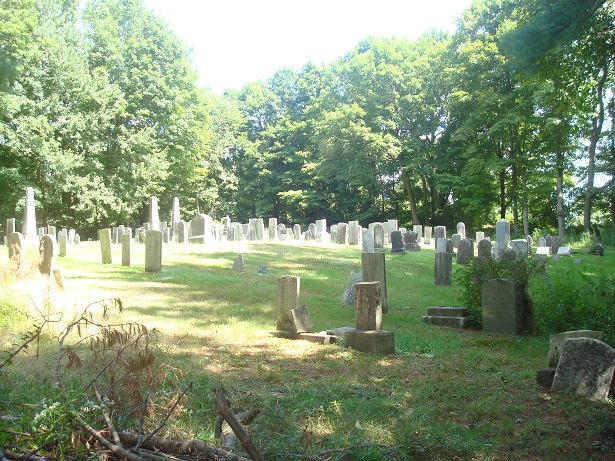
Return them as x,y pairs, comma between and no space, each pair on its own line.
444,394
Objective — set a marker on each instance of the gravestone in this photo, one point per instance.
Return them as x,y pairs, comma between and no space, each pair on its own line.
393,225
479,236
342,234
456,238
443,269
502,238
461,230
47,254
153,251
238,232
312,230
334,233
17,247
10,227
348,296
410,241
465,252
439,232
175,216
77,239
273,229
427,238
230,233
200,227
126,250
556,342
541,242
503,309
378,236
297,231
484,248
182,232
450,247
564,251
353,232
397,243
62,245
542,251
260,229
51,230
321,230
104,236
387,232
288,299
418,230
367,241
447,316
252,229
28,228
239,264
302,322
154,219
555,244
441,245
374,270
585,367
520,248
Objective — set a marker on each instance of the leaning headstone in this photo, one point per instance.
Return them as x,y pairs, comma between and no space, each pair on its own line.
153,251
302,322
288,299
348,297
62,245
378,236
367,241
28,228
564,251
353,232
503,308
373,270
484,249
397,243
556,342
47,254
427,238
239,264
17,247
273,229
443,268
126,249
104,235
465,252
585,367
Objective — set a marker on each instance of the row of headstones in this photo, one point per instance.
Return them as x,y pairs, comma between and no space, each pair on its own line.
153,240
70,235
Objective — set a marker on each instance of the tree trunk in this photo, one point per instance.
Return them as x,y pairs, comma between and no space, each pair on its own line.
597,123
559,172
411,198
426,201
502,194
524,209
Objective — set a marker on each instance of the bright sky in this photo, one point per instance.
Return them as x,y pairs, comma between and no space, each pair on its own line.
234,42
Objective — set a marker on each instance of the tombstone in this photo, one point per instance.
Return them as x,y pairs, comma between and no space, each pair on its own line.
17,247
166,234
261,269
542,242
484,249
410,242
479,236
439,232
252,229
115,233
302,322
342,235
585,367
556,342
367,241
443,269
530,242
47,254
182,232
239,265
51,230
441,245
297,231
502,237
10,227
333,231
175,216
153,251
378,236
503,308
312,231
555,244
397,243
564,251
238,232
104,235
321,230
288,299
273,229
230,233
393,225
450,248
373,270
142,235
62,245
226,222
126,241
542,251
348,297
427,238
28,228
418,230
77,239
456,238
353,232
465,252
461,230
597,249
201,226
519,248
260,229
387,231
71,236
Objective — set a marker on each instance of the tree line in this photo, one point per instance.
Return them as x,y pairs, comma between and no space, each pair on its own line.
511,115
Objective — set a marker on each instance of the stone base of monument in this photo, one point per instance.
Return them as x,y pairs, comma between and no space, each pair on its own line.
544,377
412,247
321,338
378,341
443,316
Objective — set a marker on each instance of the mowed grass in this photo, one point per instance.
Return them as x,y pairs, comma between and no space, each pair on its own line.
444,394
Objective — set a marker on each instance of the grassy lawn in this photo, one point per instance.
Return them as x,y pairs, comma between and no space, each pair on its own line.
445,393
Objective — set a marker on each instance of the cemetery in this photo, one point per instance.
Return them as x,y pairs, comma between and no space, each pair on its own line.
337,338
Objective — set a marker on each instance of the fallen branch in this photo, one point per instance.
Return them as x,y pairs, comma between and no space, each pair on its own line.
9,455
240,432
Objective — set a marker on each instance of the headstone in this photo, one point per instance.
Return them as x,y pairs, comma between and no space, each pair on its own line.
321,230
126,250
387,231
334,233
10,226
542,242
373,269
555,244
288,299
585,367
238,232
368,306
447,316
443,269
598,250
166,234
153,251
104,235
261,269
273,229
297,231
441,245
342,235
418,230
393,225
201,226
502,238
348,297
17,247
47,254
239,264
77,239
252,229
62,245
465,252
461,230
410,242
530,242
353,232
542,250
484,248
450,247
564,251
378,236
427,238
302,322
182,232
519,248
51,230
260,229
175,216
28,228
479,236
439,232
397,243
367,241
456,238
556,342
154,220
503,308
312,231
230,233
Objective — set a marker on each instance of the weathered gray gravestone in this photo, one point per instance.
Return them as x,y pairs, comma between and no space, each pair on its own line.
520,248
104,235
461,230
502,237
182,232
556,342
47,254
410,241
288,299
585,367
555,244
348,296
397,243
484,249
367,241
62,244
302,322
273,229
17,247
465,251
439,232
479,236
126,249
378,236
353,232
542,242
153,251
418,230
443,269
260,229
456,238
373,270
504,309
239,264
342,234
252,229
427,238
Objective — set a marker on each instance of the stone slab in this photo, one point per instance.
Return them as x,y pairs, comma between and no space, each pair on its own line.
556,342
445,321
301,319
376,341
448,311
